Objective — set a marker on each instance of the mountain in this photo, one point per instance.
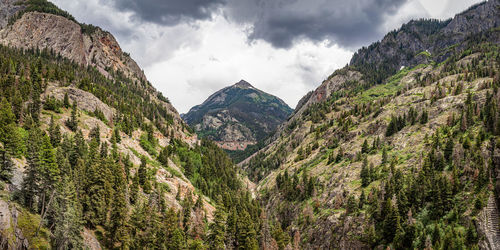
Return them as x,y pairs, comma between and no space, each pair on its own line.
92,156
397,150
238,116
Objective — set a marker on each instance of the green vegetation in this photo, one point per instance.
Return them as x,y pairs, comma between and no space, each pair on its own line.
72,183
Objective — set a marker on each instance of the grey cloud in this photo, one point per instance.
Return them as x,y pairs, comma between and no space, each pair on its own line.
281,22
168,12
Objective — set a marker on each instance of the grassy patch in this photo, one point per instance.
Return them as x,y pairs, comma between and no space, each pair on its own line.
28,223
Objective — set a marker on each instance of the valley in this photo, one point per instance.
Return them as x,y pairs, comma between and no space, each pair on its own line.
399,149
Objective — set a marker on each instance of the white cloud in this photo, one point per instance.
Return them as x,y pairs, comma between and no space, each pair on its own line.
224,57
190,61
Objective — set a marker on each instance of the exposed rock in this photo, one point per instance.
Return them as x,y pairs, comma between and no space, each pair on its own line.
11,236
8,9
90,241
63,36
84,100
408,45
488,225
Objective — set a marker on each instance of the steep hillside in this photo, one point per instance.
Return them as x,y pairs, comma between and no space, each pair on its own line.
238,116
92,156
399,149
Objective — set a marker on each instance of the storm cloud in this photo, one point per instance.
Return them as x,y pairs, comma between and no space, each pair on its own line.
279,22
169,12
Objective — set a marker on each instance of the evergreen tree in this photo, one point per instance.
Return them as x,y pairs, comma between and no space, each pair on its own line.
68,224
72,123
66,101
217,230
117,227
246,235
6,117
54,132
32,178
6,166
365,174
365,148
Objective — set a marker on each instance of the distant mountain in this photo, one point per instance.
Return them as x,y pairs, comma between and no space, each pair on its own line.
238,116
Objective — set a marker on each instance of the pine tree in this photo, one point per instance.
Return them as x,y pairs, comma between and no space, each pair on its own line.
424,117
217,230
448,151
246,235
6,117
72,123
49,177
117,226
66,101
54,132
365,174
134,189
365,148
68,224
31,181
6,166
13,141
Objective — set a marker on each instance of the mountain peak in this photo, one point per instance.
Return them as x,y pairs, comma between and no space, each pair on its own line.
243,84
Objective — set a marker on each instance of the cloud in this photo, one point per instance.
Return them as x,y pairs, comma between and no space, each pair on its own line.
169,12
224,57
283,22
294,44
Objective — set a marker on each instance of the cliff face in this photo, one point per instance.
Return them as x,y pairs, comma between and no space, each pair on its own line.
96,48
238,116
8,9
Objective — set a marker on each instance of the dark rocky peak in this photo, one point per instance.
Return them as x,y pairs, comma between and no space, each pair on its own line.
243,84
422,40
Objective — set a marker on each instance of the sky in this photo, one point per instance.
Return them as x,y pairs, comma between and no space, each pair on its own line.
191,48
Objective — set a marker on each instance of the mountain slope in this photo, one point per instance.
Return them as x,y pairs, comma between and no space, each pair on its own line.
382,155
93,157
238,116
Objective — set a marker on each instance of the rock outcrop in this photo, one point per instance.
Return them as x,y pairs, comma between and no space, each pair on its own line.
11,235
96,48
415,41
488,225
8,8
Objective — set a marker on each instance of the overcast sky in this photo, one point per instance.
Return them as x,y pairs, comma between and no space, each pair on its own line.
192,48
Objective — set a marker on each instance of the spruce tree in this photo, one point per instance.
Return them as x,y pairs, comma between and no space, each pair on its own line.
72,123
246,234
6,166
68,223
217,230
117,226
32,177
54,132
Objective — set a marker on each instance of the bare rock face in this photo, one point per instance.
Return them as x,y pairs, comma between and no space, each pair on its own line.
404,46
84,100
99,48
488,226
90,240
11,237
8,9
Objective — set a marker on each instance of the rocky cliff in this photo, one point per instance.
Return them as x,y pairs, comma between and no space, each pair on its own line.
238,116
